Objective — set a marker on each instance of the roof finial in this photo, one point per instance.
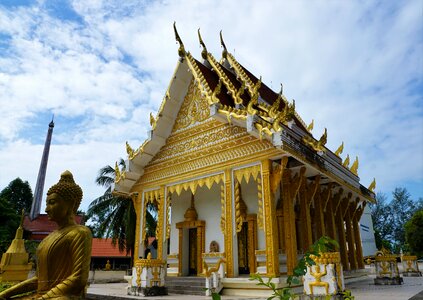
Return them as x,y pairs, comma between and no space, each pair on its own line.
181,50
372,185
281,91
204,52
225,51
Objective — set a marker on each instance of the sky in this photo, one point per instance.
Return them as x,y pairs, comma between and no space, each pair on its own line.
100,67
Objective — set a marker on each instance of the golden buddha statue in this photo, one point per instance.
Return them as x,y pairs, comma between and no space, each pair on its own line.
64,255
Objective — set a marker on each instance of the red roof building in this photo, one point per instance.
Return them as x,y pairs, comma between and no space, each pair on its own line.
103,250
41,226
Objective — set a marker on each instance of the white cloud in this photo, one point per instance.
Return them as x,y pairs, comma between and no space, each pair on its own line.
354,67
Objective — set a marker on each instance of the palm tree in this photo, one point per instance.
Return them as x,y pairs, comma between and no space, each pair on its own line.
114,216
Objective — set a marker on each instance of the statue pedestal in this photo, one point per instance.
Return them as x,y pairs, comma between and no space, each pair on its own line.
410,266
387,272
148,278
173,264
326,277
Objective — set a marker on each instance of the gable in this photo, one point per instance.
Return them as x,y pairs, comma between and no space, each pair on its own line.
194,109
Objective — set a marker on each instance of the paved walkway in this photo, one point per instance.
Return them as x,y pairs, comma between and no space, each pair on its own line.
362,290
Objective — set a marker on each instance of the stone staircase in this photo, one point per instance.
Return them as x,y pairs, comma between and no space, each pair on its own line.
186,285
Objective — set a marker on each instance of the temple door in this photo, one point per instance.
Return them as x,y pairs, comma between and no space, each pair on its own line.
192,248
243,255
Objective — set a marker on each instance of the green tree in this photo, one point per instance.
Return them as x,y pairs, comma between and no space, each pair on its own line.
382,217
403,208
390,217
414,233
9,222
114,216
19,195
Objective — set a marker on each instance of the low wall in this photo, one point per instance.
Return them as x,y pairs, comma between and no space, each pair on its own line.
100,276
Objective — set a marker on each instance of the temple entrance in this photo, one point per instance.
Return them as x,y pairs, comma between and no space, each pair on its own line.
243,255
192,257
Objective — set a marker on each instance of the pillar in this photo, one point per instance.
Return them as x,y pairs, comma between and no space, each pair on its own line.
161,222
305,223
318,214
350,238
136,199
270,228
307,193
228,236
356,230
340,227
290,188
330,218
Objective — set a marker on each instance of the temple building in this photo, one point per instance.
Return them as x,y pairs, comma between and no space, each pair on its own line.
237,176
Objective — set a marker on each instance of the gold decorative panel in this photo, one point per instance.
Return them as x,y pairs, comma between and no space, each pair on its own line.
195,108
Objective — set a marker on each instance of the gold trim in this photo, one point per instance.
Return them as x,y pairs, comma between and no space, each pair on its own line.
195,183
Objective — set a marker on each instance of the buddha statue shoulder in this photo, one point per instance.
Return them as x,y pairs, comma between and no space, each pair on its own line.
64,255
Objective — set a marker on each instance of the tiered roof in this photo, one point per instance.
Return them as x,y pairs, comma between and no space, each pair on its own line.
236,96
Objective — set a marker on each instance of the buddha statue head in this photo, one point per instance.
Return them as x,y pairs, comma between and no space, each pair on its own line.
63,198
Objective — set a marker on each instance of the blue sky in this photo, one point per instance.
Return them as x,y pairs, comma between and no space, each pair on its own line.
102,66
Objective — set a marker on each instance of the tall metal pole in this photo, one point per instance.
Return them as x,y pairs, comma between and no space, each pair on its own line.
38,193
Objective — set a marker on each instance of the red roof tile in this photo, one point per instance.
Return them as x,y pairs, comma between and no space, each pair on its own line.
42,225
105,248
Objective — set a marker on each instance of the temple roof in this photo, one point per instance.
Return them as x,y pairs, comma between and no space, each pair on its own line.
105,248
238,97
41,226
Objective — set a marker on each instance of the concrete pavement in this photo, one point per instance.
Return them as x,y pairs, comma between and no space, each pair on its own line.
363,289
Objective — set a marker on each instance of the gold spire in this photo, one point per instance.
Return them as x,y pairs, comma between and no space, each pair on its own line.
204,52
222,43
372,185
153,121
129,149
235,94
310,126
354,167
274,109
324,138
254,98
181,50
316,145
346,162
340,149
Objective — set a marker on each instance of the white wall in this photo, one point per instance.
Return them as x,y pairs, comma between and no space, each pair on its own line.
179,206
249,195
367,233
209,209
208,206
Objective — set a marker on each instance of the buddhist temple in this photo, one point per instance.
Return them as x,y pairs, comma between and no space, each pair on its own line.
237,175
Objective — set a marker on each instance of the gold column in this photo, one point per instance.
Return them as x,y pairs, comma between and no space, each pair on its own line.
200,249
272,259
356,229
136,199
252,242
180,249
330,213
290,187
228,224
350,237
161,214
307,193
340,224
319,202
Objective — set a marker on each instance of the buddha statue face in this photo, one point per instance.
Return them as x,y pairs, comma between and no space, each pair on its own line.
57,208
63,199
